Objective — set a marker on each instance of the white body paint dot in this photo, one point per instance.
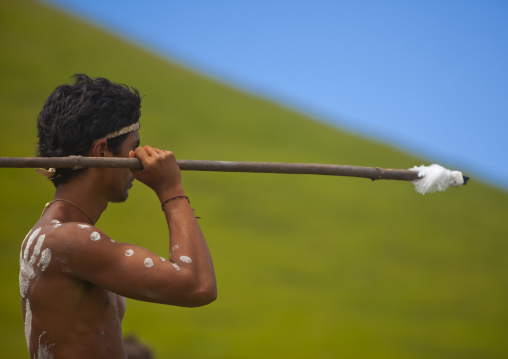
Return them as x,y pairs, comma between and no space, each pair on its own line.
56,223
148,262
95,236
129,252
163,259
175,247
176,266
185,259
83,226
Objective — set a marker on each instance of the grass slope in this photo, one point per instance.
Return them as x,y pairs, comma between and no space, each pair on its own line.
307,266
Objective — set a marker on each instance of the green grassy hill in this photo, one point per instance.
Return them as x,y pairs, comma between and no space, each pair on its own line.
307,266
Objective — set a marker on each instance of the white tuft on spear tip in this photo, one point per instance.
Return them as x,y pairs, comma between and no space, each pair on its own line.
436,178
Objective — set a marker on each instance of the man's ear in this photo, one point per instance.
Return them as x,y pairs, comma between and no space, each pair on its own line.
99,148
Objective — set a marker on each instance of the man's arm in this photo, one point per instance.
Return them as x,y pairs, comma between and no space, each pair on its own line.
89,255
187,243
186,279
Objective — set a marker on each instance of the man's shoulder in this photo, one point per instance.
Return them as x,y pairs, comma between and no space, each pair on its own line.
65,246
56,234
78,230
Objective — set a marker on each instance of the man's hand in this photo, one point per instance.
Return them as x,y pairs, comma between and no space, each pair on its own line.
160,171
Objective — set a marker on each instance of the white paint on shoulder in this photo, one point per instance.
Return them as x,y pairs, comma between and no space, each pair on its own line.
148,262
175,247
83,225
129,252
185,259
176,266
30,241
26,273
26,269
95,236
27,236
163,259
37,249
45,259
28,322
21,249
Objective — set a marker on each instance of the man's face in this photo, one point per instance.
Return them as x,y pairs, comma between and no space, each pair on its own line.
120,179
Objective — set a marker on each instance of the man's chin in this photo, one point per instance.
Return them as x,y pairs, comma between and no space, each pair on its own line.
121,199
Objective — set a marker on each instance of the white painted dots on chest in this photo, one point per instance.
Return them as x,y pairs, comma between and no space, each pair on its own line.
185,259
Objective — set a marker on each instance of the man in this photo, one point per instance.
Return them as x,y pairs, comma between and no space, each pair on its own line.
73,277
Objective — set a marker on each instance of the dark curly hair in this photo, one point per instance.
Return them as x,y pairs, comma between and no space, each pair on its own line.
76,115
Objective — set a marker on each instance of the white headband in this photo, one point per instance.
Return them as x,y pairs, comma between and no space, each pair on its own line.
122,131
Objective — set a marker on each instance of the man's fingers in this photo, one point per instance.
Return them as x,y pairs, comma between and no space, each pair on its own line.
150,156
140,153
150,151
145,153
157,151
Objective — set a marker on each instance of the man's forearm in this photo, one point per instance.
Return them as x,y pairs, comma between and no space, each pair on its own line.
188,248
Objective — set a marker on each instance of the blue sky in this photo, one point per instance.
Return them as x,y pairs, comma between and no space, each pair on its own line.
429,77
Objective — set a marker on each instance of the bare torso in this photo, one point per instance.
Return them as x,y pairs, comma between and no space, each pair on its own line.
65,316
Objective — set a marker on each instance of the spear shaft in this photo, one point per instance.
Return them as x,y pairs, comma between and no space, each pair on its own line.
374,173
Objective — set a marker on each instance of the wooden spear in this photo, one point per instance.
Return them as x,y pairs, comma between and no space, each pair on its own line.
77,162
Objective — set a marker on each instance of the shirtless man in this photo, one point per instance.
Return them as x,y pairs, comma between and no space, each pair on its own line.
73,277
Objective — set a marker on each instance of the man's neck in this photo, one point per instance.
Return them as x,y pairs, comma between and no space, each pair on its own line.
82,195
